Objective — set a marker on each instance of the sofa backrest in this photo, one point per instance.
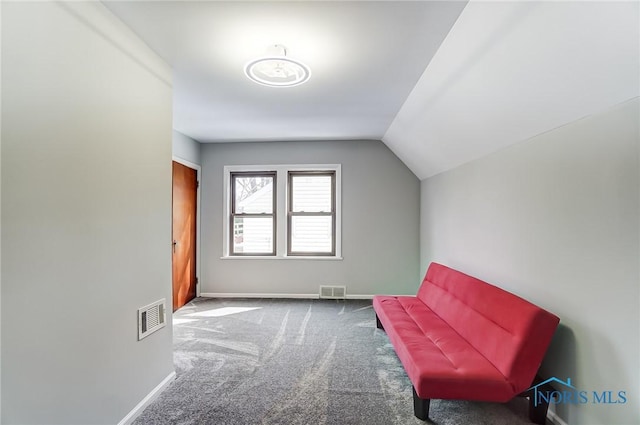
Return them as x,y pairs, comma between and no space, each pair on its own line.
510,332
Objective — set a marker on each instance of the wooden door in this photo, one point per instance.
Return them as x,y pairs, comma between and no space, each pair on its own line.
185,184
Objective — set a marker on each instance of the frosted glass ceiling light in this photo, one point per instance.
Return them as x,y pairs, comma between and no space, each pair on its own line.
277,70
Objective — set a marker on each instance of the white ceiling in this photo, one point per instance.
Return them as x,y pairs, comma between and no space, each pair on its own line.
511,70
365,58
505,72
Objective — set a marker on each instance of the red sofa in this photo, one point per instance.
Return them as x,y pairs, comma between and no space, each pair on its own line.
464,339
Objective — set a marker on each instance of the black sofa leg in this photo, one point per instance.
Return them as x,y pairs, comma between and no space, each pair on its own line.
538,413
421,406
378,324
538,407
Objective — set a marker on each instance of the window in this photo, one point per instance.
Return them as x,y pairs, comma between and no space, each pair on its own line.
253,213
311,213
282,212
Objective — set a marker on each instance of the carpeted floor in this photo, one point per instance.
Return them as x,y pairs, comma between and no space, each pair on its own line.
263,361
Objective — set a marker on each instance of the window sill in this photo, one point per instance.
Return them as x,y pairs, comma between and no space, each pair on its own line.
280,257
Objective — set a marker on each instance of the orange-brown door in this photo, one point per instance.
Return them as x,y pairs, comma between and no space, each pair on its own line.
185,185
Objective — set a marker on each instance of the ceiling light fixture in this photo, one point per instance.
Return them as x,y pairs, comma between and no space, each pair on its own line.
277,70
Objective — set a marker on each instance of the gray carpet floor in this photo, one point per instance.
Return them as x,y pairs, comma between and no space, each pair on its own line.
264,361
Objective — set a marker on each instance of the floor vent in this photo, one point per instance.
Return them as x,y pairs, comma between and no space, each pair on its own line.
151,318
333,292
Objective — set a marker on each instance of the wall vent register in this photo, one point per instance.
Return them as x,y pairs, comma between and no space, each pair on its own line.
151,318
333,292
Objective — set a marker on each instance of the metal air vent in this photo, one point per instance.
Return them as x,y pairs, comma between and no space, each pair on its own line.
333,292
151,318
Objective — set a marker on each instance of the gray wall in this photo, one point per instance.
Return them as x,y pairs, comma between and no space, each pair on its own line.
86,214
555,219
380,218
0,223
185,147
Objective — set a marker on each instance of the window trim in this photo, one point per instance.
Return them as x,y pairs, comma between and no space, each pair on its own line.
232,212
281,171
290,213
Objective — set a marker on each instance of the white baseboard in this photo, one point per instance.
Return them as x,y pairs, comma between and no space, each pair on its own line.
135,412
555,419
254,295
359,297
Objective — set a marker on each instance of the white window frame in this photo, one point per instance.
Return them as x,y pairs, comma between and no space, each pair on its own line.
282,196
291,213
272,215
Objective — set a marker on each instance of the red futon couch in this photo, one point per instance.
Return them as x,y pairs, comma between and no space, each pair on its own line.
461,338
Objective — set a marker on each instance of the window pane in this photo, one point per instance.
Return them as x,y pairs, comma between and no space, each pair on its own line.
311,193
253,235
254,195
311,234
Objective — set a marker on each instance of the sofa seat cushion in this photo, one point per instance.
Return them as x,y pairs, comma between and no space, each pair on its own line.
439,362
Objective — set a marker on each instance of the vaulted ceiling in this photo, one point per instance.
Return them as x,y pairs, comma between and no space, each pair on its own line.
440,82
